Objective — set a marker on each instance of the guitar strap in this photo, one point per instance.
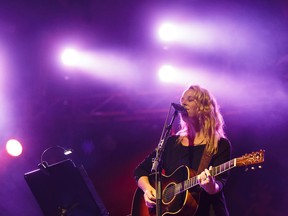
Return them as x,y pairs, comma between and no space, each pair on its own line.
205,160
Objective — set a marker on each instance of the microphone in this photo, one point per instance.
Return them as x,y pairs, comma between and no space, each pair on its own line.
179,108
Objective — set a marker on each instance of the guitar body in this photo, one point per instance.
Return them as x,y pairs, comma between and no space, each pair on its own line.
184,204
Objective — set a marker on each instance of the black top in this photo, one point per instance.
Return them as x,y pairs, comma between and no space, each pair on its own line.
175,155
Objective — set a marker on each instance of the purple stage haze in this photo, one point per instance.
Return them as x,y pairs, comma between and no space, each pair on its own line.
110,106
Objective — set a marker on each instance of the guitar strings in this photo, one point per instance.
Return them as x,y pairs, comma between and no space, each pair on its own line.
178,188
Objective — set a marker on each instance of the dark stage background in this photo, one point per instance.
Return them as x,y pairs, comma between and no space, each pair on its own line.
112,124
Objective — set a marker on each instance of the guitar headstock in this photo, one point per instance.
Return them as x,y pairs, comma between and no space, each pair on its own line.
250,159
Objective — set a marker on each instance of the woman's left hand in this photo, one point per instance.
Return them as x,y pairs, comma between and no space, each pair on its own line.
207,182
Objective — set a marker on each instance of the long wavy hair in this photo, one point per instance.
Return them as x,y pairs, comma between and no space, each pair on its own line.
209,118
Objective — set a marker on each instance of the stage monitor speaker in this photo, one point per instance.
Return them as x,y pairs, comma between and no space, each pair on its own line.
63,189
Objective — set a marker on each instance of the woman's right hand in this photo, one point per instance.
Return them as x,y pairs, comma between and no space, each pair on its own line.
150,197
149,191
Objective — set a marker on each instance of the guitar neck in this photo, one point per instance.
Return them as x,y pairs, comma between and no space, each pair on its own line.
223,167
191,182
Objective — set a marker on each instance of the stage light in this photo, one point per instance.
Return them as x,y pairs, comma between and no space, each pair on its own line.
167,73
188,34
70,57
167,32
104,65
14,147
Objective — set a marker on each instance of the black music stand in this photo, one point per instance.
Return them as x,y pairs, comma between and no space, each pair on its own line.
62,189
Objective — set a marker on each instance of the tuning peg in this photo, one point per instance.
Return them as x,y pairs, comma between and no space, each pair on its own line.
252,168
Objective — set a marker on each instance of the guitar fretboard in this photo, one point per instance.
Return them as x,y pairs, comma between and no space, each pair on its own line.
191,182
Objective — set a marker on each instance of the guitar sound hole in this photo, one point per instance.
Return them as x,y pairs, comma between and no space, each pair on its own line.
168,193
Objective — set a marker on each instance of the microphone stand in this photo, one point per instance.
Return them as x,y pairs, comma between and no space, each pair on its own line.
157,163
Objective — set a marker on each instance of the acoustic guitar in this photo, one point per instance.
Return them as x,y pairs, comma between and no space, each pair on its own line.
176,199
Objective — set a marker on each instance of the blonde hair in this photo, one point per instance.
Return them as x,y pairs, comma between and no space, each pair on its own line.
209,118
